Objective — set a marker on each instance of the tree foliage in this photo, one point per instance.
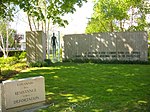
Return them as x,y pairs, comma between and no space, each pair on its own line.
7,10
54,9
118,15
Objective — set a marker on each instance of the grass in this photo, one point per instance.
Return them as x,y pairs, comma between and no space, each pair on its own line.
88,87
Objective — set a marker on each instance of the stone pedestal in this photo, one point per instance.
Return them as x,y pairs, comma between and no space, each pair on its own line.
35,46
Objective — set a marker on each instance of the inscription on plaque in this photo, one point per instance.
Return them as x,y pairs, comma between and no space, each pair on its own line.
110,55
24,91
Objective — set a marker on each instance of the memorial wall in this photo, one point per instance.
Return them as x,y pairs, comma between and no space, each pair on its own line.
129,46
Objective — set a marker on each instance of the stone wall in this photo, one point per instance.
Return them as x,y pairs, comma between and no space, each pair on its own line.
35,46
106,46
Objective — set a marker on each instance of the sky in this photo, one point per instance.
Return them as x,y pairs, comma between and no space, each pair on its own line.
77,21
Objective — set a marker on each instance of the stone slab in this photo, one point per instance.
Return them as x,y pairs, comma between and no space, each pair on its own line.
23,91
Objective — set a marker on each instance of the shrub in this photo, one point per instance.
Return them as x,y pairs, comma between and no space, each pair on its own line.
14,53
10,66
35,64
60,51
44,64
106,61
9,60
38,64
48,61
22,55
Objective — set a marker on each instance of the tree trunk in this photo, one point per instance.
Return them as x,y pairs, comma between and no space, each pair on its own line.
48,26
3,48
34,23
111,26
45,16
121,26
103,26
7,42
29,23
132,18
42,26
38,25
4,53
45,27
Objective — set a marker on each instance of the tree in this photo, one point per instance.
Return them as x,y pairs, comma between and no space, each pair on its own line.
97,25
5,37
139,16
7,9
108,12
43,9
114,15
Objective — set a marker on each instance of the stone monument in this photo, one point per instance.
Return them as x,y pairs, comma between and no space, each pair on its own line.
35,46
22,92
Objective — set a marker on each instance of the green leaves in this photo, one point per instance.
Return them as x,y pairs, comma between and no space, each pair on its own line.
7,11
42,9
114,9
119,15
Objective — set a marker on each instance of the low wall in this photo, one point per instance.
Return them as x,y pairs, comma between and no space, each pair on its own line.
129,46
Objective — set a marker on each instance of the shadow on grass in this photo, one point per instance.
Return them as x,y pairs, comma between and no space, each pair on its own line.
72,87
6,74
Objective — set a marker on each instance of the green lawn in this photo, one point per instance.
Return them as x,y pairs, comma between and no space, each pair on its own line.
87,87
